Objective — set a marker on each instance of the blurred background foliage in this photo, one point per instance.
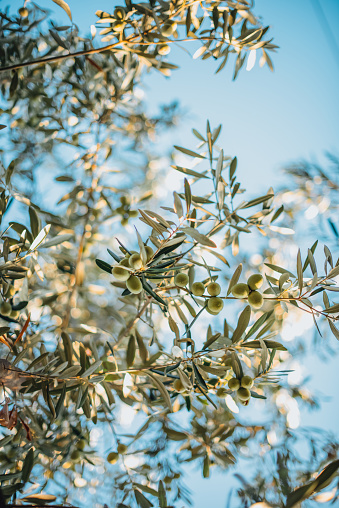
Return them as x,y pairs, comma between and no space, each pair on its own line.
81,353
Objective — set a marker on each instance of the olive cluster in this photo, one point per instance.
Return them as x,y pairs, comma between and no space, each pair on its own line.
124,271
113,457
125,210
6,308
249,290
242,387
214,304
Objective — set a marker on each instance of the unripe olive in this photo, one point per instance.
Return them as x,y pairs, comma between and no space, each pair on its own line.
178,386
221,392
240,290
181,279
256,300
76,456
135,261
122,448
243,394
118,26
112,457
164,49
81,444
119,13
234,384
168,28
211,312
149,252
246,382
10,291
120,273
255,281
213,289
23,12
14,314
5,308
215,304
124,222
124,200
134,285
198,289
124,262
133,213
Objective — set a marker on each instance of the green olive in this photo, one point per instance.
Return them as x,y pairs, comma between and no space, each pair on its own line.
234,384
23,12
221,392
134,285
240,290
255,281
181,280
133,213
215,304
168,28
5,308
120,273
135,261
112,457
246,382
122,448
14,314
124,262
256,300
243,394
198,289
76,456
118,26
214,289
10,291
163,49
81,444
178,386
119,13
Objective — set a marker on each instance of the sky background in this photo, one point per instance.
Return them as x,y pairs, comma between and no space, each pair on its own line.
269,120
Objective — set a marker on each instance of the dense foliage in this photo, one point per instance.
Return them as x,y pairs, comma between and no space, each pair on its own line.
111,301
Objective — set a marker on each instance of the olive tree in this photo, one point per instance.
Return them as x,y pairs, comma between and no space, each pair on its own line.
113,299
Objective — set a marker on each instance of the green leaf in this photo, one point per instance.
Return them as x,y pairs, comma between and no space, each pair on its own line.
190,172
142,501
27,465
91,369
40,238
188,195
130,353
243,321
34,222
161,388
104,266
300,271
61,400
64,6
279,269
177,205
257,201
189,152
271,344
193,233
233,167
162,495
57,240
234,278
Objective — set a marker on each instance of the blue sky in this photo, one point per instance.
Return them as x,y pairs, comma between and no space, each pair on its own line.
270,119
